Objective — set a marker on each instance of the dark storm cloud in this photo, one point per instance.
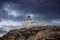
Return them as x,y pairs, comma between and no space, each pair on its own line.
49,9
3,15
2,31
18,18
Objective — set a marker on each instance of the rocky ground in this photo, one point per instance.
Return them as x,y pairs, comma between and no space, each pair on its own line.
34,33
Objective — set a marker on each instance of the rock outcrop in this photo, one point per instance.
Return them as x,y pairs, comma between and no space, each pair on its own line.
34,33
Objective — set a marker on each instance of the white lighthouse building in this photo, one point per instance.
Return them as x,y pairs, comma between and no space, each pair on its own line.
30,23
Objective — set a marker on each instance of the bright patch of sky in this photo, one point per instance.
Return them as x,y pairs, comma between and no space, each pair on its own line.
11,11
56,21
10,23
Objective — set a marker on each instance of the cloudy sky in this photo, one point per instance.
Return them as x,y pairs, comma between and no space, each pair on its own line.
13,12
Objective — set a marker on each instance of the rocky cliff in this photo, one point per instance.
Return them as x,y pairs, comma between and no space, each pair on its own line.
34,33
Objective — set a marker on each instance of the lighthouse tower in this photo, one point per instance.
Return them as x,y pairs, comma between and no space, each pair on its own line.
29,20
31,23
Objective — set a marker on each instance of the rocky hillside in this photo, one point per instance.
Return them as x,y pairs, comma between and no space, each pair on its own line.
34,33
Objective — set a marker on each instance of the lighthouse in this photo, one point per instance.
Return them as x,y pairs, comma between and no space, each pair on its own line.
31,23
29,20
